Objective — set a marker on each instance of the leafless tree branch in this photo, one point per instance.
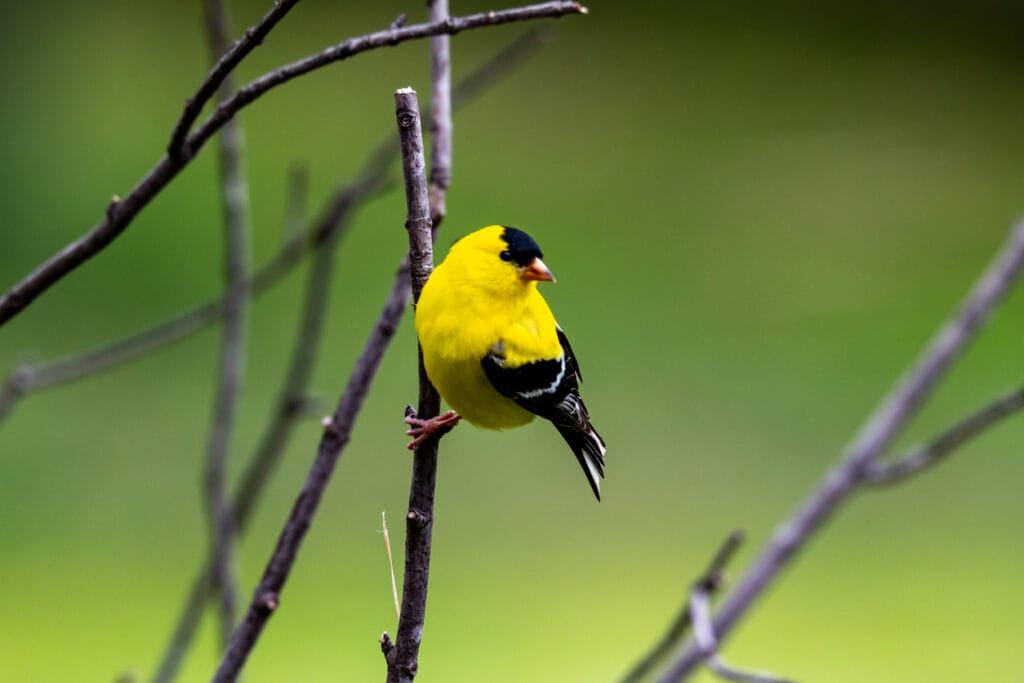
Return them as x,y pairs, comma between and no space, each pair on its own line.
425,210
704,636
29,378
710,581
873,439
121,212
916,460
337,432
37,376
254,479
441,115
235,202
289,406
230,57
402,659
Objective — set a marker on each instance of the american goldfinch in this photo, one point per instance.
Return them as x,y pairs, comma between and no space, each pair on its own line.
492,347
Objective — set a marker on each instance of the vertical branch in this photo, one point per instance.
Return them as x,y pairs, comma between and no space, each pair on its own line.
441,117
337,216
403,657
232,361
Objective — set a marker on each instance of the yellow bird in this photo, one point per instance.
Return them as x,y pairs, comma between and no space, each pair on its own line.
493,349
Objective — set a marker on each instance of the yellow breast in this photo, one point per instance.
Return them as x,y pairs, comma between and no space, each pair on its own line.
459,322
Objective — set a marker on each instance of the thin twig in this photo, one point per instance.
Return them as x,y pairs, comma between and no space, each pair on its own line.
289,405
30,378
121,212
441,115
873,439
391,563
704,636
257,474
917,460
336,435
230,57
402,660
235,202
34,377
711,580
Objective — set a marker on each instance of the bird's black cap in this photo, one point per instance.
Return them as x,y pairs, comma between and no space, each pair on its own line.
521,247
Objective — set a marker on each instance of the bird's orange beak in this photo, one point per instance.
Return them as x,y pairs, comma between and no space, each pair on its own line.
536,271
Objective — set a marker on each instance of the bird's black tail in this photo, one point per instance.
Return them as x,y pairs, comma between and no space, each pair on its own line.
589,448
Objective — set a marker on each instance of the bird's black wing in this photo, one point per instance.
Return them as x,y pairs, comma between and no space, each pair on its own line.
550,389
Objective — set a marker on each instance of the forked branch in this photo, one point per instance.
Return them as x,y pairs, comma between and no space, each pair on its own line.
874,438
121,212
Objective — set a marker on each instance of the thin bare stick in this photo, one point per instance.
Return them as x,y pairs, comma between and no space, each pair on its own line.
873,439
441,115
120,212
289,407
402,659
710,581
30,378
919,459
230,57
391,564
38,376
257,474
704,636
336,435
235,202
287,411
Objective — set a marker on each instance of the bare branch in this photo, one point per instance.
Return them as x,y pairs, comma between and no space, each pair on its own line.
121,212
704,635
29,378
924,457
34,377
336,435
710,581
441,115
288,409
219,73
235,202
873,439
256,476
419,522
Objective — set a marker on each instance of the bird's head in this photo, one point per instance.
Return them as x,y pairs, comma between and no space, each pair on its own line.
503,259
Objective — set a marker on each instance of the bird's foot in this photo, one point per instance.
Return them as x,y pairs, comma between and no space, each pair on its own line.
424,429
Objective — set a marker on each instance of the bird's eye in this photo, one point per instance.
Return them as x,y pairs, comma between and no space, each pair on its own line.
506,255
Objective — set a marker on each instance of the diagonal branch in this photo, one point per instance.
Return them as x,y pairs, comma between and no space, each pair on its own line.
924,457
257,474
121,212
711,580
29,378
704,636
874,438
34,377
235,201
221,70
286,412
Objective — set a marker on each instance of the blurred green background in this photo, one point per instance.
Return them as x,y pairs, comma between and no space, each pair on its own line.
757,212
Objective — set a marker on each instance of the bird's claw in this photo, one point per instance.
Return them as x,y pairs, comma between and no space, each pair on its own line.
424,429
